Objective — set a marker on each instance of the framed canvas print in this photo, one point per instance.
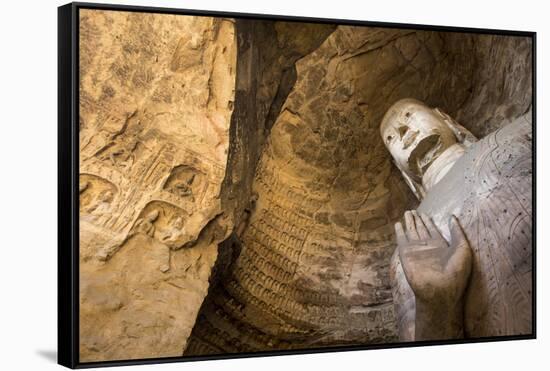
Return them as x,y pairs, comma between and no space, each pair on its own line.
235,185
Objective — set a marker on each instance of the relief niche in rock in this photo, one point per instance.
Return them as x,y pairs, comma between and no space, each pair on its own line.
251,185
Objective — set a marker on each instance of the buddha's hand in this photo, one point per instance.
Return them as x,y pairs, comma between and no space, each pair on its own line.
437,272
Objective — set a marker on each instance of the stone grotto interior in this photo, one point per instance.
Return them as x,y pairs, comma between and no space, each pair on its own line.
235,193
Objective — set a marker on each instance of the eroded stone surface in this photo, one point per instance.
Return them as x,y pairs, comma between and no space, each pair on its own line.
502,84
243,159
313,269
156,93
489,192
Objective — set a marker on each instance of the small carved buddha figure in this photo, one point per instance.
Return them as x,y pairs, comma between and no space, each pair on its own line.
174,234
463,263
102,204
83,186
184,187
146,225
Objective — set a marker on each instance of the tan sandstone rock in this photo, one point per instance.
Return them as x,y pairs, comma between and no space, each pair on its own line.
156,95
314,263
235,192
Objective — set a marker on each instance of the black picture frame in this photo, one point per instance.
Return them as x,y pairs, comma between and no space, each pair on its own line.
68,169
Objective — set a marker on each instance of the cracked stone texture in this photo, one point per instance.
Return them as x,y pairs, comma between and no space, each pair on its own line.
163,171
150,207
313,268
501,88
235,194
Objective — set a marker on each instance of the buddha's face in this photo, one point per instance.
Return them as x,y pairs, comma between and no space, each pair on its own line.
178,223
152,216
106,196
415,135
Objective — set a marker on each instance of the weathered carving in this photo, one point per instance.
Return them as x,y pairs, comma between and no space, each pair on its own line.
186,182
487,187
153,151
96,195
242,159
424,142
327,194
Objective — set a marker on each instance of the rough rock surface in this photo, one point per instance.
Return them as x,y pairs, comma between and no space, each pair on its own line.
313,265
266,73
156,95
502,88
235,192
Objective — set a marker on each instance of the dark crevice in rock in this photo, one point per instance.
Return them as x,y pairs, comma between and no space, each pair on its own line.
266,73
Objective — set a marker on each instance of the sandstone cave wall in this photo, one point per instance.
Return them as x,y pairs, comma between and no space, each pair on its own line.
156,98
169,141
502,86
313,263
235,193
266,72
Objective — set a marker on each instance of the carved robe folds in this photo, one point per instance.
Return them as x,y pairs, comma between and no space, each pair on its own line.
489,189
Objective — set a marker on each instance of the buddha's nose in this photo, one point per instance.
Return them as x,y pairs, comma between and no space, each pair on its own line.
409,138
402,131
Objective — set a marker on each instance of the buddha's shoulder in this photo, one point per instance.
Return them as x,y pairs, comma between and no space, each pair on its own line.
514,138
490,172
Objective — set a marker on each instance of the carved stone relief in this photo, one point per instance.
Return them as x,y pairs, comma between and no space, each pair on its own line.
236,194
153,150
487,190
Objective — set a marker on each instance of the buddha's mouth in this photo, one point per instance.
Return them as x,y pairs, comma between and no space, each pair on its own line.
424,153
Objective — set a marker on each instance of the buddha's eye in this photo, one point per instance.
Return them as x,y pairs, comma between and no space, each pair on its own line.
389,138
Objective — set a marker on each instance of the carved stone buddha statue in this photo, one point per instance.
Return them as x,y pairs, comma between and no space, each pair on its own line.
463,263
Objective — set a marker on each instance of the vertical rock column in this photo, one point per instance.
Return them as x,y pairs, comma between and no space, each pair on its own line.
156,97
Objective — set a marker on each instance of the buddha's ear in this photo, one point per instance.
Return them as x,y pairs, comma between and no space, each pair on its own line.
463,135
